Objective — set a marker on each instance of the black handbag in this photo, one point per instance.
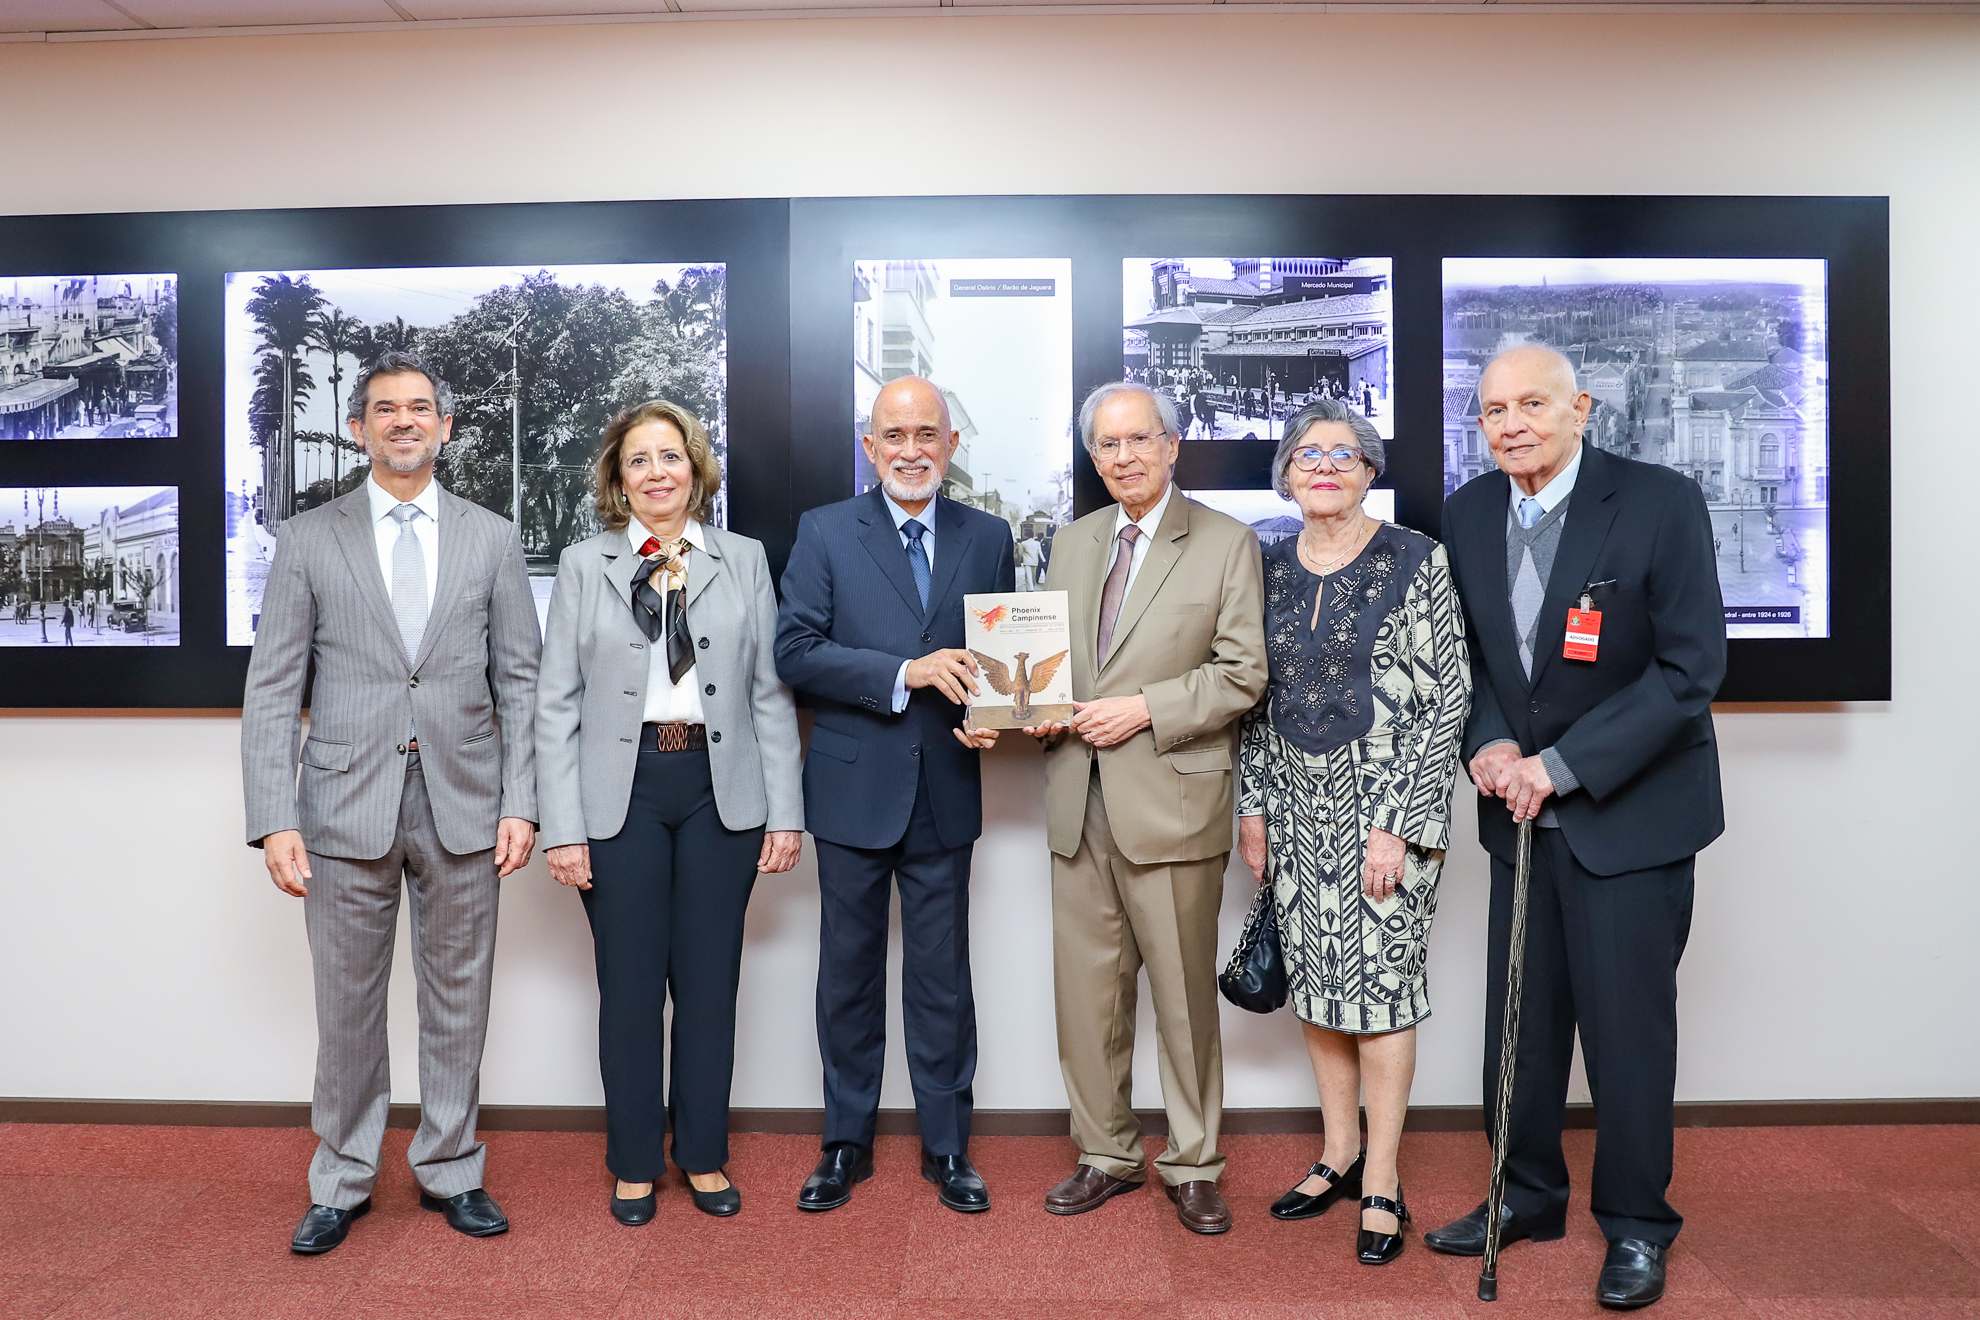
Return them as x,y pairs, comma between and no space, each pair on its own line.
1255,977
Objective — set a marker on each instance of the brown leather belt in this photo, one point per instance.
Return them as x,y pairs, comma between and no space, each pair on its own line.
679,737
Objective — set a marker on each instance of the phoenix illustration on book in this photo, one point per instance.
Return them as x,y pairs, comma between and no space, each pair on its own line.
1020,688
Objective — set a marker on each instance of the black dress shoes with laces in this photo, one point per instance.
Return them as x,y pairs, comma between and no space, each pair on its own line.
472,1212
721,1204
1466,1236
831,1183
632,1211
1296,1204
324,1227
1632,1275
1372,1248
957,1183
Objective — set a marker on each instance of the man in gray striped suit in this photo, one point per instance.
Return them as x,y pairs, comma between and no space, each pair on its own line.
415,609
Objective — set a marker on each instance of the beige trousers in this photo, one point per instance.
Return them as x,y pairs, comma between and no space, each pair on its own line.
1110,918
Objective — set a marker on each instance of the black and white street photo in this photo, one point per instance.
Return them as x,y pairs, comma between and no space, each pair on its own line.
89,357
539,360
1243,343
1716,368
995,336
89,566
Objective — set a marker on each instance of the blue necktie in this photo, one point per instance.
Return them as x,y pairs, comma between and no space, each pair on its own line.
1530,511
917,558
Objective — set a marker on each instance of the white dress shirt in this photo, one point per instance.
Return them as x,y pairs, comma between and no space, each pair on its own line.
668,702
426,528
1554,491
927,519
1148,522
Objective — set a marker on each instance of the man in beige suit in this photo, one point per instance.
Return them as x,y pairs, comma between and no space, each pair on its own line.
1168,650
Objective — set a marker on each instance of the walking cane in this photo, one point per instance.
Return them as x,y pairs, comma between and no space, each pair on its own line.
1495,1200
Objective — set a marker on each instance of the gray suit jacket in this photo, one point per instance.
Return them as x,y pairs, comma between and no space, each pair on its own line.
470,693
592,696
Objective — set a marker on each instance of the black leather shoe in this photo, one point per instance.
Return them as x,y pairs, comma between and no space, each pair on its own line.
1296,1204
325,1227
1632,1275
473,1213
1372,1248
956,1181
632,1211
831,1183
721,1204
1466,1236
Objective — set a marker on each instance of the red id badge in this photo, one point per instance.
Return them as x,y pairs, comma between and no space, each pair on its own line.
1584,634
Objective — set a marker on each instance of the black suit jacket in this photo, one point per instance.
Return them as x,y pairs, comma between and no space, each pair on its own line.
1635,724
851,614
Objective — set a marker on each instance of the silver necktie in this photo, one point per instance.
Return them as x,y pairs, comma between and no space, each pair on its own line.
409,582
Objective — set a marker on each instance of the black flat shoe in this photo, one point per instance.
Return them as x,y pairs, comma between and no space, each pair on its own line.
632,1211
1466,1236
1298,1205
721,1204
831,1183
472,1212
957,1184
325,1227
1632,1275
1372,1248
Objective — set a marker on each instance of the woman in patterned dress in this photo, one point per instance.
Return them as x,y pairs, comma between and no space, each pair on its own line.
1344,798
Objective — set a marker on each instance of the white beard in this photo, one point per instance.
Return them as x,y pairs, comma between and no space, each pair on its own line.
903,493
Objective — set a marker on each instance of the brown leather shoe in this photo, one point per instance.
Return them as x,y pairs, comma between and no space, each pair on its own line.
1087,1189
1200,1207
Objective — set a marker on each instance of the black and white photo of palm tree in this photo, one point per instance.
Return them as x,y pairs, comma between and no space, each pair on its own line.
539,359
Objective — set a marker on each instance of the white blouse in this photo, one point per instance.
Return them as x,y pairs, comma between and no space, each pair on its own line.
668,702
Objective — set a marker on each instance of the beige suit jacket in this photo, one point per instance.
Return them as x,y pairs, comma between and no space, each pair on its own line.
1191,639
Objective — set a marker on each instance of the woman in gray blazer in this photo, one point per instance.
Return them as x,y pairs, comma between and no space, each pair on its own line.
667,777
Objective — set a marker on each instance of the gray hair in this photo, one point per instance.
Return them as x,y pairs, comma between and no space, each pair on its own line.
1325,410
397,362
1164,406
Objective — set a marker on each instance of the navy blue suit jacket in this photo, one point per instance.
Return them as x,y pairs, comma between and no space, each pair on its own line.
1634,724
850,616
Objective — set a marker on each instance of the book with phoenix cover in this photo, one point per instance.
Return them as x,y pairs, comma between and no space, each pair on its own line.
1021,641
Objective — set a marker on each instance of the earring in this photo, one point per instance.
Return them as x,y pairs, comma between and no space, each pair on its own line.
622,497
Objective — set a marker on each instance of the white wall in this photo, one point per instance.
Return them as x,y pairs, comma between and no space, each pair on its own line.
143,952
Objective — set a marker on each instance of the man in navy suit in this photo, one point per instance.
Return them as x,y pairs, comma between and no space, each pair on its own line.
871,633
1609,750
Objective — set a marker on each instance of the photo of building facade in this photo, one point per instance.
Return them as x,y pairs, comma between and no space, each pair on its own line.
87,357
1241,344
995,336
90,566
1714,368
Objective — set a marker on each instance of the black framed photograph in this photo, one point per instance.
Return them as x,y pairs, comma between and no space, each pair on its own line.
89,357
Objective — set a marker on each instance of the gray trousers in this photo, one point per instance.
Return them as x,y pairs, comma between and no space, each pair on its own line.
352,914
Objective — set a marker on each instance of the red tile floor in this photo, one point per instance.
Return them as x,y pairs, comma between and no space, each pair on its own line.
156,1223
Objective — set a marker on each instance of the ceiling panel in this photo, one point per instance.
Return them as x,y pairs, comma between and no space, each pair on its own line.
60,16
425,9
251,13
742,6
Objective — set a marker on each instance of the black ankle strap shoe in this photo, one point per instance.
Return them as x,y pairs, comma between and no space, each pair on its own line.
1372,1248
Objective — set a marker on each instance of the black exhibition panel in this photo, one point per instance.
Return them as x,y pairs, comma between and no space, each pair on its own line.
201,247
1099,232
790,358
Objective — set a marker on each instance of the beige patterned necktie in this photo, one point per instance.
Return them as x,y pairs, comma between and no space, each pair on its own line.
1115,591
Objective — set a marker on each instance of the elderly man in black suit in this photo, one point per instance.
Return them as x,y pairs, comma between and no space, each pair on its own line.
1610,752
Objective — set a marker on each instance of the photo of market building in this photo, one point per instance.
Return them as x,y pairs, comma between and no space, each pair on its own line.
1242,344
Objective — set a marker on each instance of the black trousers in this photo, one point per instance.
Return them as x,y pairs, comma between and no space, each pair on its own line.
937,1003
1602,954
666,905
